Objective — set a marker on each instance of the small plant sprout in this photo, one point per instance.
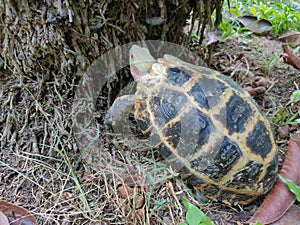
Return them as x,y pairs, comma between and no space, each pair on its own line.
258,223
273,59
228,30
194,215
295,97
282,118
292,186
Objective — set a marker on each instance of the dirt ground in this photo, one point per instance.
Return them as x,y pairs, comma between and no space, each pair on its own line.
41,167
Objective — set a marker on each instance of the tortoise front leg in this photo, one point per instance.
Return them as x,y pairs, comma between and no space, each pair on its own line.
117,115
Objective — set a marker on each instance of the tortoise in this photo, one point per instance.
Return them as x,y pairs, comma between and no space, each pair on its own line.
207,127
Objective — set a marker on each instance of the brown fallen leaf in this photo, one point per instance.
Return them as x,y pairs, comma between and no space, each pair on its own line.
280,199
16,215
3,219
125,191
294,127
261,81
292,216
255,25
139,201
213,38
134,195
283,131
291,37
291,58
255,91
132,180
140,214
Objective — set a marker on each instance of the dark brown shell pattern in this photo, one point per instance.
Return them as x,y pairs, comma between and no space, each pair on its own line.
208,129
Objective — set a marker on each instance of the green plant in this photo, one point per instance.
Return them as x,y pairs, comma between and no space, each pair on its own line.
295,97
228,30
271,62
280,14
283,14
282,118
194,215
292,186
155,174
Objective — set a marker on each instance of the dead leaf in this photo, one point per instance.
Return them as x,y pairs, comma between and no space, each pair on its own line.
125,191
280,199
256,90
3,219
139,201
292,216
283,131
294,127
291,37
132,180
16,215
134,195
255,25
261,81
140,214
213,38
291,58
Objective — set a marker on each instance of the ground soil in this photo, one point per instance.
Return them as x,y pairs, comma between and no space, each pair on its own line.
37,177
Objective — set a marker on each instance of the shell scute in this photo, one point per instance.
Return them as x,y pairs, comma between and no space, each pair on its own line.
248,176
172,133
259,140
195,181
226,156
178,76
162,109
198,127
211,91
199,96
166,152
271,171
219,162
238,113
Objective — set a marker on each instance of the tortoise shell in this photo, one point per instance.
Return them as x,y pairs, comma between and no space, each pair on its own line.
208,129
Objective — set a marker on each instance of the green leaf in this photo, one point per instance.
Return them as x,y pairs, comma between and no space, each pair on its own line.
258,223
159,204
182,223
292,186
194,215
297,121
253,11
150,178
295,97
206,221
292,119
195,37
186,204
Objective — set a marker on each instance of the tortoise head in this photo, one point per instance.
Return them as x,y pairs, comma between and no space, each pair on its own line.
140,61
